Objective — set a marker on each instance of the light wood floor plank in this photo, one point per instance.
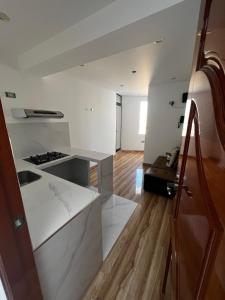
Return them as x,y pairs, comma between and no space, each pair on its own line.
134,268
143,256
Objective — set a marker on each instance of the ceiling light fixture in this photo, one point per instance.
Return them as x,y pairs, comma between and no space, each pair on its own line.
158,41
4,17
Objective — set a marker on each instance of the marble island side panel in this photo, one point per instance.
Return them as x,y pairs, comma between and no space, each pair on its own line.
105,178
69,260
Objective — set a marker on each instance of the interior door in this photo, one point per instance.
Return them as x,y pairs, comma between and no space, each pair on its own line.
198,239
196,226
17,267
118,125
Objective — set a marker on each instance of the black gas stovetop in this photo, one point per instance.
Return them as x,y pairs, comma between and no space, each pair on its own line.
45,157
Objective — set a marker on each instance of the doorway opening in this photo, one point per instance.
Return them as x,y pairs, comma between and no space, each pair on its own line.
118,121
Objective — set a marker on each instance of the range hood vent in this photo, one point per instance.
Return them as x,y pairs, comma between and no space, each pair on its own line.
22,113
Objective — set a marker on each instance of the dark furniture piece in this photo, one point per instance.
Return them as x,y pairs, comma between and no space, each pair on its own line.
160,179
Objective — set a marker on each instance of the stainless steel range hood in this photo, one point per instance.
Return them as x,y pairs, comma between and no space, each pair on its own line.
22,113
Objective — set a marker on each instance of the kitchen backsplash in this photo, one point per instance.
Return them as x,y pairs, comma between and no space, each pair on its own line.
34,138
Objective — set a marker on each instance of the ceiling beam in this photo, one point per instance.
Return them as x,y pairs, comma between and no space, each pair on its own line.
104,33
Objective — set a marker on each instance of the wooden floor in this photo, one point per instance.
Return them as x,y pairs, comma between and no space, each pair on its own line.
135,266
127,174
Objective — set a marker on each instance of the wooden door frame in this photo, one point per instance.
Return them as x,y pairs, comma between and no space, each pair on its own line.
17,266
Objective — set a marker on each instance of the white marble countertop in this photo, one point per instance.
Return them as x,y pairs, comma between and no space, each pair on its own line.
51,202
84,154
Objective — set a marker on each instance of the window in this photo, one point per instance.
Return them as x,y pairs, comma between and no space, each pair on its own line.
143,117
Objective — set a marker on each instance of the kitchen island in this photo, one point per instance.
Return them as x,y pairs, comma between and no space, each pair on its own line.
64,221
63,213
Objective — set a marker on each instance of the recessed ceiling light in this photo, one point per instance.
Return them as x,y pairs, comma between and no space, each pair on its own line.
159,41
4,17
134,71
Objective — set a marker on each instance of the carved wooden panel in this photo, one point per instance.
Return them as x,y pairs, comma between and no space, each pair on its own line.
196,226
198,241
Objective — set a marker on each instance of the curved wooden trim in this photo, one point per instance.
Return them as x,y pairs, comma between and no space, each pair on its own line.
215,226
214,62
175,261
201,54
218,94
184,159
213,56
211,211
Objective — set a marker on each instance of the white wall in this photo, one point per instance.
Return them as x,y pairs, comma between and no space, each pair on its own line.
2,291
162,133
131,139
94,130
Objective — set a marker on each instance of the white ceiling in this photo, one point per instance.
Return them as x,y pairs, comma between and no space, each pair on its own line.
111,37
119,26
34,21
111,72
154,63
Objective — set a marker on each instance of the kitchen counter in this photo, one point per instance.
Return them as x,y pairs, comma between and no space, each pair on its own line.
63,213
84,154
51,202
